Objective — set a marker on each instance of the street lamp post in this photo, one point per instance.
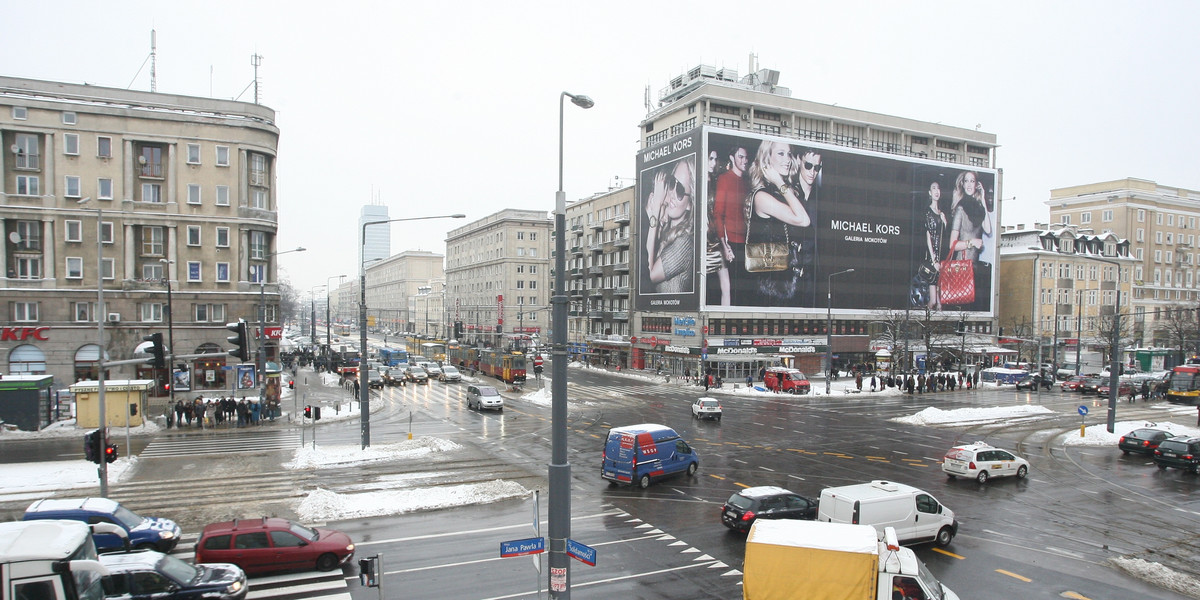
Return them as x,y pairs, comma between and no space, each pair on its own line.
559,468
261,362
829,329
170,336
363,393
100,316
312,325
328,341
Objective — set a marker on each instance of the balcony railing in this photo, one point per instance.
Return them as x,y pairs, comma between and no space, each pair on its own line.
596,292
153,170
621,268
622,219
596,224
596,247
576,249
621,242
596,314
620,315
595,270
621,291
28,162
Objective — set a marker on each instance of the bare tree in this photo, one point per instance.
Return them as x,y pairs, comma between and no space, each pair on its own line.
1023,331
1105,326
1177,327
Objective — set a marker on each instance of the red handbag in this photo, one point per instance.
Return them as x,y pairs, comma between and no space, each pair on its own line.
956,282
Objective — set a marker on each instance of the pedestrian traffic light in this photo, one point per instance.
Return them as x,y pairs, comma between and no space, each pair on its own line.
110,453
307,412
133,409
316,413
91,446
156,350
240,339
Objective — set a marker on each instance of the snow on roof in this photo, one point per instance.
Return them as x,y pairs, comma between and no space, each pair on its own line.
49,539
763,490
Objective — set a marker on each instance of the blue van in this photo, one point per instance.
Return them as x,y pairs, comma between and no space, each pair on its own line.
639,453
144,532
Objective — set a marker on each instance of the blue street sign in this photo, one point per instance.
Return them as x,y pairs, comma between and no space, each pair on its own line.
1083,410
581,553
524,547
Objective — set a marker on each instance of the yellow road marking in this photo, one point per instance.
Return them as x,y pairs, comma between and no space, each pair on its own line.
877,457
948,553
1074,596
1013,575
716,476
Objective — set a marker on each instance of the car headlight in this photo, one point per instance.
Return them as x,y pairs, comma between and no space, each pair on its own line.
349,547
166,535
235,587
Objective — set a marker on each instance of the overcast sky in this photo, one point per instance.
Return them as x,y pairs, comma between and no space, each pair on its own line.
442,108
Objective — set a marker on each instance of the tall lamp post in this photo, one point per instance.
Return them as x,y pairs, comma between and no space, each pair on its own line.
261,363
170,335
829,328
328,340
100,316
559,468
363,393
312,324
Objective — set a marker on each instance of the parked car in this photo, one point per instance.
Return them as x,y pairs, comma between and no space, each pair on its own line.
484,396
1074,383
1033,381
143,532
765,502
1144,441
273,544
706,408
449,374
150,575
980,461
416,374
1179,452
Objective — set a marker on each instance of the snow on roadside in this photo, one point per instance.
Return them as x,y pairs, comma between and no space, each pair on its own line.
324,505
336,456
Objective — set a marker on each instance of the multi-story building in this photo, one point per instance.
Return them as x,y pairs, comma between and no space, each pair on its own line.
1059,293
391,285
599,246
498,277
1160,224
867,182
166,202
377,239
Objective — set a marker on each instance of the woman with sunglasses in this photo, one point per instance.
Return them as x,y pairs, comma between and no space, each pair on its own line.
969,223
670,243
776,207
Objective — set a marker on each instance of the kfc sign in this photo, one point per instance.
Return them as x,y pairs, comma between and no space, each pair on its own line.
21,334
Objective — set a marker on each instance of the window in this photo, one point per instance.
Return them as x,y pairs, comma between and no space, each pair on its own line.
106,232
1064,270
1066,219
258,199
150,159
1171,220
258,245
193,154
1106,215
104,188
20,113
109,268
1168,257
25,311
533,284
1138,253
1170,238
258,273
1067,245
28,185
104,146
222,195
71,186
223,272
1158,218
84,311
71,144
152,271
222,156
68,118
74,267
1158,256
1141,215
258,170
193,271
152,241
520,251
28,156
74,231
533,252
1141,235
1158,237
193,193
193,235
30,234
1085,218
152,192
222,237
521,234
152,312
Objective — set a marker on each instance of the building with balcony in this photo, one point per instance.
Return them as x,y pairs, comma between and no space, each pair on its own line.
599,314
168,202
498,278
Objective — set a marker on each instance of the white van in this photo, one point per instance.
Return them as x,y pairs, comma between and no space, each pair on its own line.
915,515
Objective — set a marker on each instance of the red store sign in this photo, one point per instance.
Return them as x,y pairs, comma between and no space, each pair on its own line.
14,334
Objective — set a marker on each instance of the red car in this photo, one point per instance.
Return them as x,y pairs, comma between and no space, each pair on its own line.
1074,384
1124,389
273,544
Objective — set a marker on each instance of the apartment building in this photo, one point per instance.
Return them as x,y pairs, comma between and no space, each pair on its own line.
599,247
165,202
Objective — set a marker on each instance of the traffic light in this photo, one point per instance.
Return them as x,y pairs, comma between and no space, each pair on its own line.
240,339
91,446
110,453
307,412
133,409
368,571
157,352
316,413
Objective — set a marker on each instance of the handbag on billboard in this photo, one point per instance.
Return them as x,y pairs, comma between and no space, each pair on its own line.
956,282
765,256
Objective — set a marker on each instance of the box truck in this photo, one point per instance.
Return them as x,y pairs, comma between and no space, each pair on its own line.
915,515
809,560
51,560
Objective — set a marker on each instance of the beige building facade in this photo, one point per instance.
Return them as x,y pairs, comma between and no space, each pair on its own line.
184,192
599,247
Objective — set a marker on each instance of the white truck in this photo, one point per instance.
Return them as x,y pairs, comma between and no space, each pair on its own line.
51,560
811,560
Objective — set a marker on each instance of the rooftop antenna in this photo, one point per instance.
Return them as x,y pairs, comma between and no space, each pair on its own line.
153,61
646,99
256,59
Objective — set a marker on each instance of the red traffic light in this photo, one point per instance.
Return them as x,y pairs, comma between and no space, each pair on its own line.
307,412
110,453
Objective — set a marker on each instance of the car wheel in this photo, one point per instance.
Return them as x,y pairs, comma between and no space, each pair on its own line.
644,482
1195,469
944,537
146,546
326,562
950,477
982,477
794,392
691,469
1022,472
1162,467
1125,452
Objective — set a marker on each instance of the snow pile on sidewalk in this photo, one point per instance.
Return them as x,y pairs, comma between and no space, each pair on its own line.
973,416
324,505
335,456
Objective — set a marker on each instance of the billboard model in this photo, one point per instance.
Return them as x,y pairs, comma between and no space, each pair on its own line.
782,216
669,226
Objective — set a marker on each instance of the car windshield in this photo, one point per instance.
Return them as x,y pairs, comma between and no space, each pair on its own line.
127,517
741,501
417,371
178,570
305,532
450,370
929,582
488,391
958,454
1173,446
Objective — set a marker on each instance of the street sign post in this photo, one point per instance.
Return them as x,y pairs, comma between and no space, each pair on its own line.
523,547
582,553
1083,411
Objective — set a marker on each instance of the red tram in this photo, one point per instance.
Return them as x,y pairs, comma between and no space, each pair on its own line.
506,366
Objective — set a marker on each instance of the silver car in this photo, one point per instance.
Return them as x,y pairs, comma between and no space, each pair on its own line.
449,374
484,396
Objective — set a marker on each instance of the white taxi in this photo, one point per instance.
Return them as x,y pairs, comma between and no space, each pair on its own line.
706,408
981,461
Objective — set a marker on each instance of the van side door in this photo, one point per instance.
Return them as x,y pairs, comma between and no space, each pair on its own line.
928,517
681,455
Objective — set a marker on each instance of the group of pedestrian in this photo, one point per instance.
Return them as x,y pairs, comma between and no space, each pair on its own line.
207,413
939,382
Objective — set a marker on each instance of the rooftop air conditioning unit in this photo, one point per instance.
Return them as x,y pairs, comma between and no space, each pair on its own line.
114,317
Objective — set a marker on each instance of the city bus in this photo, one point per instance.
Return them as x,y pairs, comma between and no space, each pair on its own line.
1183,384
393,357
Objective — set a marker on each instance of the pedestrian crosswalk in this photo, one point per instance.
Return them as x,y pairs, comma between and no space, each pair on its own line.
314,585
227,442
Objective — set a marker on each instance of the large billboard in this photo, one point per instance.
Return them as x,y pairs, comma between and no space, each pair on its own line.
781,219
